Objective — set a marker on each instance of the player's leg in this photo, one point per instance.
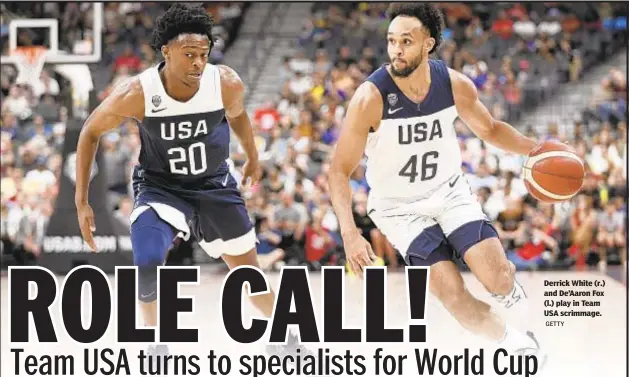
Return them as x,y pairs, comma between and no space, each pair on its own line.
151,238
474,238
446,284
486,259
263,303
423,243
233,239
157,219
267,261
229,234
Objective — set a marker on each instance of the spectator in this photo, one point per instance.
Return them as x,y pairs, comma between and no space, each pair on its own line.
45,85
524,27
17,103
290,220
538,246
582,223
483,178
269,254
550,26
318,242
611,234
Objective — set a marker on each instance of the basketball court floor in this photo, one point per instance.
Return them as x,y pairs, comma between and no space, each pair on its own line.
584,346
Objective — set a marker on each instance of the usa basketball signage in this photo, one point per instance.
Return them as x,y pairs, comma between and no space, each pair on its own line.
63,245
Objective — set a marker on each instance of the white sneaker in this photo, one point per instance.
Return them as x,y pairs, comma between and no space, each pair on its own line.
536,350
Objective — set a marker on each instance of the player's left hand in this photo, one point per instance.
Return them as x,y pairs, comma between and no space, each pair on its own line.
358,252
251,173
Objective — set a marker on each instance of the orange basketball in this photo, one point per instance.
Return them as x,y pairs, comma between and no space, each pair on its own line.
553,172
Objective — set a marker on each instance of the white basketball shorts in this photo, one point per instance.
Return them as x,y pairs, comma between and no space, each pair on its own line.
448,218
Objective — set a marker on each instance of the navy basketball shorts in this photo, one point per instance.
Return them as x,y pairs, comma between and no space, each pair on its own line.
215,214
442,225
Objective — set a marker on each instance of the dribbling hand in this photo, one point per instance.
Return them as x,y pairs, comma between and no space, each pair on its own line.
86,223
358,252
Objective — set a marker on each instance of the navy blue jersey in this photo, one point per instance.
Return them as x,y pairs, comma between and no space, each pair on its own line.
183,174
183,143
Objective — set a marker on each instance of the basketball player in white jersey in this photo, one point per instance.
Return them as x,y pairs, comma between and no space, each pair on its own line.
182,184
402,118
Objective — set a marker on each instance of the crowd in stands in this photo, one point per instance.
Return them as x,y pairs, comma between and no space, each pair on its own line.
516,54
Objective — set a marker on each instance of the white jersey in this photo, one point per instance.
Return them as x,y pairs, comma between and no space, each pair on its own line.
158,104
415,149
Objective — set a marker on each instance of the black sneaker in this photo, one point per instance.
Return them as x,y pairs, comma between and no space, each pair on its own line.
292,347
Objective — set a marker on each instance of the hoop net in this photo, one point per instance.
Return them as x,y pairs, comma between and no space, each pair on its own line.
29,61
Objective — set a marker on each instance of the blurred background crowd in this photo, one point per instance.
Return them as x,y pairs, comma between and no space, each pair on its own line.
519,55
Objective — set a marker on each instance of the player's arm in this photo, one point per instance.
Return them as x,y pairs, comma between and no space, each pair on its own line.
127,101
480,121
233,91
364,111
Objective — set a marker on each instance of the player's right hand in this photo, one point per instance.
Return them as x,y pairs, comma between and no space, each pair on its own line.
358,252
86,223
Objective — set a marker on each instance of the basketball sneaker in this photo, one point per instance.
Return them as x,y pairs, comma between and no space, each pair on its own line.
535,350
157,350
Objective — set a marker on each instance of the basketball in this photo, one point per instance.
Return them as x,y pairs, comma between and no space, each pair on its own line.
553,172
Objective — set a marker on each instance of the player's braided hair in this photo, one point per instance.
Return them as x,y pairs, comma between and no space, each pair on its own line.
182,19
429,15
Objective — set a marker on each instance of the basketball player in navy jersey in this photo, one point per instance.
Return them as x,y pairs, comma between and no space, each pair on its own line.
402,119
182,185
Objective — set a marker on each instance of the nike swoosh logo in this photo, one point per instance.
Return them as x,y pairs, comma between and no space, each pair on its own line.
395,111
149,295
225,180
158,110
451,184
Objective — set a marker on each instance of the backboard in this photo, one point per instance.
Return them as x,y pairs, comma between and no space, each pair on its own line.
57,54
69,48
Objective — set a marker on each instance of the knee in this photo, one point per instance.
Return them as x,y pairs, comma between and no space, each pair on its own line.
501,282
150,239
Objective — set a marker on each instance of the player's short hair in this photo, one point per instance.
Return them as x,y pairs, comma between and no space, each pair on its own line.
429,15
182,19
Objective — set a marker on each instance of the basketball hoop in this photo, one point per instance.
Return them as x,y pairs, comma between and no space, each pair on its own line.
29,61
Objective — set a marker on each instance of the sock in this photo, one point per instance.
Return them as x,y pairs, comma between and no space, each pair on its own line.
514,340
516,300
